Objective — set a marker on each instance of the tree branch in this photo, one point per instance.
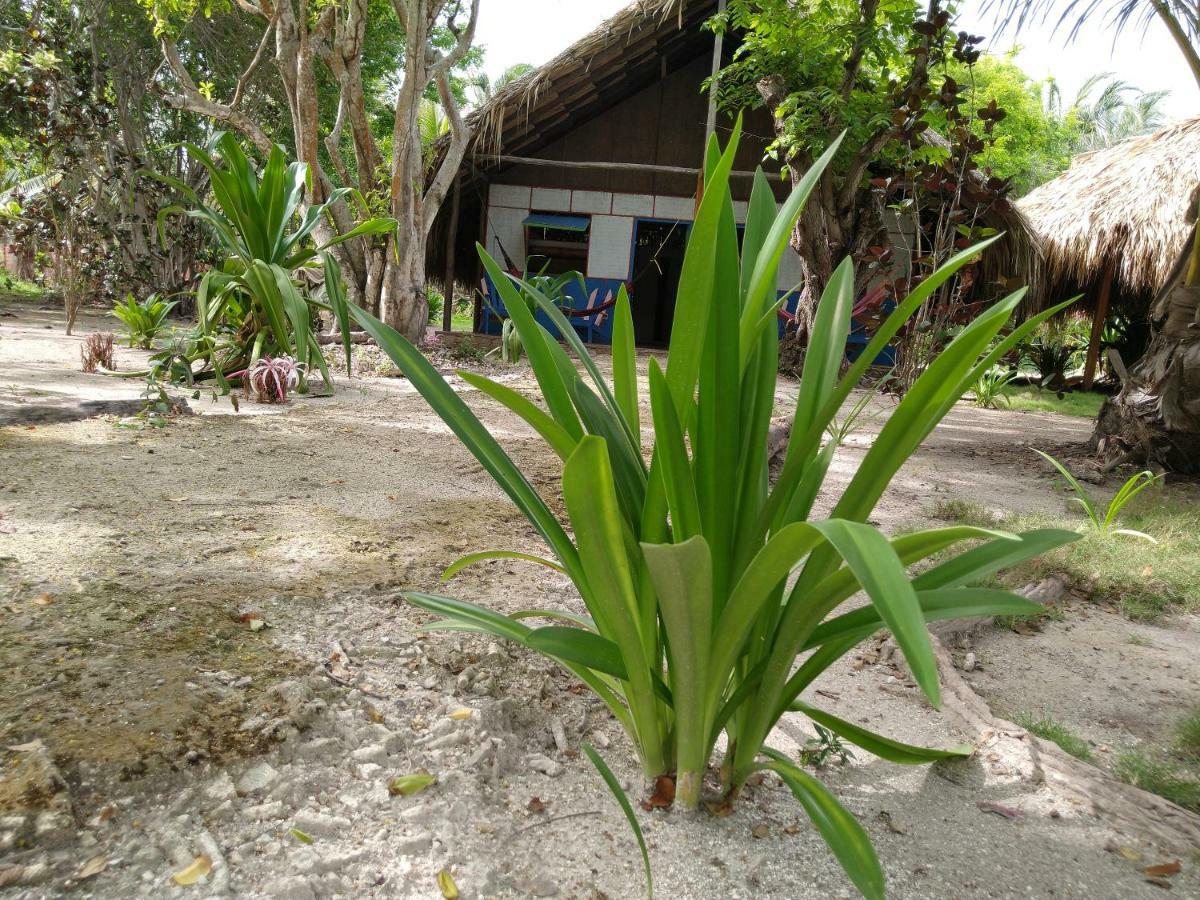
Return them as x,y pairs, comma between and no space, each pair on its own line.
258,55
192,100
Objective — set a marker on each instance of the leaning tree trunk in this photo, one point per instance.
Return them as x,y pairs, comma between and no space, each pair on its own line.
1155,418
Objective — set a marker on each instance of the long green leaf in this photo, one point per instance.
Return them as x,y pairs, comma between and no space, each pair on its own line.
474,435
883,747
487,555
845,836
618,792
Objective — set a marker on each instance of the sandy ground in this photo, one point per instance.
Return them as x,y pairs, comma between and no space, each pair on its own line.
135,564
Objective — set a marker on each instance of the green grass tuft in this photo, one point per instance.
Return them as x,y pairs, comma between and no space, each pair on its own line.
965,512
1167,779
1058,733
1187,734
1083,404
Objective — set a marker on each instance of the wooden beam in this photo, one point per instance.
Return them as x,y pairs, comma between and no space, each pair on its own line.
1098,319
606,166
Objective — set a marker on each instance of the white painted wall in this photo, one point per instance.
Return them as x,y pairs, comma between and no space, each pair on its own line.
613,217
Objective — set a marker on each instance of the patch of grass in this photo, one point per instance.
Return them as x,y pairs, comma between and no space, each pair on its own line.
462,321
1047,614
15,288
1058,733
1139,640
1187,734
1169,780
1144,580
1084,404
965,512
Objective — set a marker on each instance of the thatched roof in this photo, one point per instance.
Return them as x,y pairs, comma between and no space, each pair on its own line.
634,48
1131,205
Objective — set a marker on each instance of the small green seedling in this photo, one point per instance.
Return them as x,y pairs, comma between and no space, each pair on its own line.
1104,523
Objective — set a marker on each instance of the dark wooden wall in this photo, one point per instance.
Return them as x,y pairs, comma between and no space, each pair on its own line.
662,125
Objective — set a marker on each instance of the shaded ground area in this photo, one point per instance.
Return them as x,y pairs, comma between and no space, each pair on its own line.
137,568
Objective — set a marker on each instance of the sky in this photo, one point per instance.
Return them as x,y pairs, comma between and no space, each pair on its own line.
534,31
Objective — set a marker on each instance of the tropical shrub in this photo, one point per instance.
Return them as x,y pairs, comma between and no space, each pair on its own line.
694,625
989,389
255,303
144,319
551,287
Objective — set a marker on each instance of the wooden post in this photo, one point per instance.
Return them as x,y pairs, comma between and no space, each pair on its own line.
451,244
1098,320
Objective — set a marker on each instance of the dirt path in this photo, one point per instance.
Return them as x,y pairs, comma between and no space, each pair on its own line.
136,564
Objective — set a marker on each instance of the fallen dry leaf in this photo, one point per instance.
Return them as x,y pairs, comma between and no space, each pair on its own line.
91,868
374,715
301,836
791,829
199,868
760,831
1129,853
446,884
719,810
1163,870
663,796
536,805
999,809
43,599
407,785
463,712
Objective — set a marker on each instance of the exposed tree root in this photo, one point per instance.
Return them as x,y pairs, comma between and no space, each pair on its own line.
1130,810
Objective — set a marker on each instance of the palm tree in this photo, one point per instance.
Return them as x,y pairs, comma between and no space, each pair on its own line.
1156,416
1119,111
484,89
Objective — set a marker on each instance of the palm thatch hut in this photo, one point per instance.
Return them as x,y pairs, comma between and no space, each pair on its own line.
1115,226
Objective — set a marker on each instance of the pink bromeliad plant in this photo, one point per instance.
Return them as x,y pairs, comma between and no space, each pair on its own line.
271,378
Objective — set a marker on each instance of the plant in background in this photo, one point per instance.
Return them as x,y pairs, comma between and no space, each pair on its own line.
97,352
143,320
529,286
271,378
989,389
694,624
255,303
1104,523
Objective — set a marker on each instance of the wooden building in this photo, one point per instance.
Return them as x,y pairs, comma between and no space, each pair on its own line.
591,163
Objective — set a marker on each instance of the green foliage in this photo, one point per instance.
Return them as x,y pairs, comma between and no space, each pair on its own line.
143,319
989,389
552,287
1058,733
1105,522
818,751
255,303
610,780
807,45
1034,144
694,625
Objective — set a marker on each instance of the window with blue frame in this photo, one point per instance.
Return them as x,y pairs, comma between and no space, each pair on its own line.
556,243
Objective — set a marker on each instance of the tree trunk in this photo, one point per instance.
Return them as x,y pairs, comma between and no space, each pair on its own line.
1155,419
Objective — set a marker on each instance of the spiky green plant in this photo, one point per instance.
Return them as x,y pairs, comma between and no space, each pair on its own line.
681,551
1105,522
989,387
143,319
255,303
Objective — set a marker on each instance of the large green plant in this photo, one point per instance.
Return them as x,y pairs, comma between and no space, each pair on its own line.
256,303
694,623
